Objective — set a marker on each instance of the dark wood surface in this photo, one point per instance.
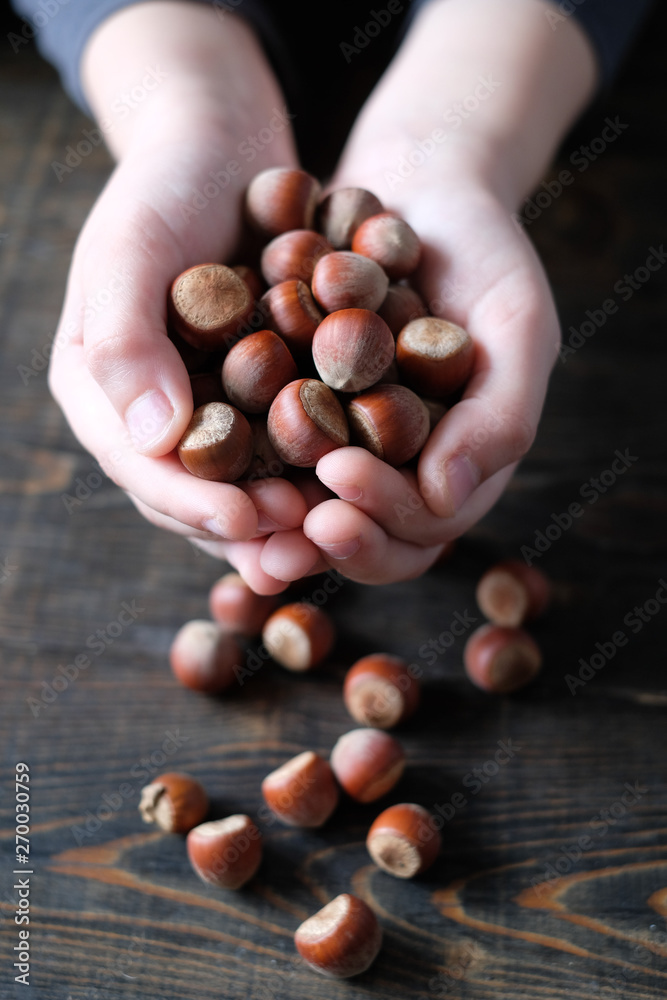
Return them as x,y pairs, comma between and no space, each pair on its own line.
115,909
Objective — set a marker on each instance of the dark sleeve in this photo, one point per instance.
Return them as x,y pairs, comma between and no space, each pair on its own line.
62,28
611,25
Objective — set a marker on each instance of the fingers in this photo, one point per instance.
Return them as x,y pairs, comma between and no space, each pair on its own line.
245,558
279,504
354,544
289,555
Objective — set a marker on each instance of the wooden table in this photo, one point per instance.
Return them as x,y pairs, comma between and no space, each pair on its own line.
553,878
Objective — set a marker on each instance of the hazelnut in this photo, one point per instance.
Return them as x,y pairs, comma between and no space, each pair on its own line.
265,461
252,279
217,443
380,691
391,242
305,422
206,388
436,410
207,304
226,852
367,763
340,940
401,304
403,840
303,792
345,280
299,635
341,213
501,660
352,349
293,255
175,802
256,369
236,606
291,312
434,356
282,198
203,656
512,593
390,421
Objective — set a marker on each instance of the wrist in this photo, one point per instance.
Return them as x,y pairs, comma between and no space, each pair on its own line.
479,93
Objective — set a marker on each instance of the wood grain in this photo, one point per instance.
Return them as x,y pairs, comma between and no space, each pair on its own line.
516,906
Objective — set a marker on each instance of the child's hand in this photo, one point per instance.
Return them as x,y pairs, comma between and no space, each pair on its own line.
495,82
117,376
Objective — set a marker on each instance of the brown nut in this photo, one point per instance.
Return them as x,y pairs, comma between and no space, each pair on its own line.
401,304
501,660
256,369
299,635
217,443
305,422
175,802
282,198
303,792
293,255
434,357
381,690
511,593
207,305
389,241
292,313
203,656
341,940
206,388
236,606
252,279
225,852
390,421
341,213
346,280
265,462
367,763
403,840
352,349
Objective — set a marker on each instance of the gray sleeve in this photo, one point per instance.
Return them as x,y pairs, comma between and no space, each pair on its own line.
62,28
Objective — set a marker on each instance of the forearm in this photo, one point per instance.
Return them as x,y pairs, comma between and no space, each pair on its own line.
491,76
182,70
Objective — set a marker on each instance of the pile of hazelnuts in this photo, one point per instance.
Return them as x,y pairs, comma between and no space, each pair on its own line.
328,346
380,692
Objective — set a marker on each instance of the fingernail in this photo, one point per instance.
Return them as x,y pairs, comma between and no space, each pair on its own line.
265,523
342,550
213,525
345,492
148,418
461,479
